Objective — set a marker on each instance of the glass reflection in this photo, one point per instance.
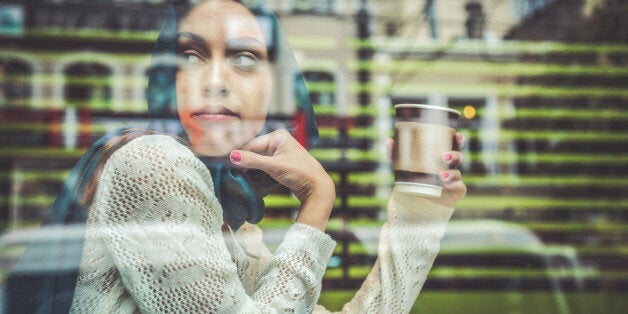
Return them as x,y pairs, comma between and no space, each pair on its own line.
542,230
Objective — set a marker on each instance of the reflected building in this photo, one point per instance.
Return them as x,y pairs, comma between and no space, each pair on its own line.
72,72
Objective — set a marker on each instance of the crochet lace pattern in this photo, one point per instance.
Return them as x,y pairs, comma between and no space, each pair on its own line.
155,243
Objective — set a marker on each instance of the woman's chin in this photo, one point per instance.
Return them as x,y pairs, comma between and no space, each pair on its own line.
211,151
218,143
214,147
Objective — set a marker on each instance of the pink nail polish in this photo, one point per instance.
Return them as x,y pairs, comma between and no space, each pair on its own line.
235,156
448,157
444,174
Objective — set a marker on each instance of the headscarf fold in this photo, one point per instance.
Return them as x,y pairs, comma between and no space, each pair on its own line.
240,193
37,285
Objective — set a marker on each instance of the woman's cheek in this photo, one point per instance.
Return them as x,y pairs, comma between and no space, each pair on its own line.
256,96
182,92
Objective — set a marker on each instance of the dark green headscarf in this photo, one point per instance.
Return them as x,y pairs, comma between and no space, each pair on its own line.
37,284
240,193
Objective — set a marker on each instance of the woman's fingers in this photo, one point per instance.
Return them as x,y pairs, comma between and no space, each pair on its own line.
268,153
267,144
450,176
285,160
454,159
249,160
459,141
454,188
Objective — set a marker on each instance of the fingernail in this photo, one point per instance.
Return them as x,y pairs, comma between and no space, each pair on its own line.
448,157
444,174
235,156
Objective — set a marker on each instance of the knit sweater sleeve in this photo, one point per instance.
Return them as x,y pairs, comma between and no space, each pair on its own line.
155,243
409,243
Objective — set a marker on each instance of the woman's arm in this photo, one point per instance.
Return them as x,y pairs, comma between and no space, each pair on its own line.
158,227
409,243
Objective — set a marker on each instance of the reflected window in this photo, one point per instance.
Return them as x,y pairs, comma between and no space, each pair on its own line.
87,88
88,85
321,83
15,83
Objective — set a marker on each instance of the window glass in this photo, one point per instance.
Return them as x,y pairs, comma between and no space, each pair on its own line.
540,85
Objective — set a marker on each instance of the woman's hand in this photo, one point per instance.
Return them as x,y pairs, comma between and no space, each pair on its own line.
454,188
286,161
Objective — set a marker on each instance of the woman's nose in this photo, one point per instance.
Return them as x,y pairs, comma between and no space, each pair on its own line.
216,80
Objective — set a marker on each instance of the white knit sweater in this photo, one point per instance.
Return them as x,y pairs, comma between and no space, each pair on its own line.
155,244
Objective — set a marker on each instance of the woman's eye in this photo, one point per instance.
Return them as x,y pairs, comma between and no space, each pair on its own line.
188,59
245,61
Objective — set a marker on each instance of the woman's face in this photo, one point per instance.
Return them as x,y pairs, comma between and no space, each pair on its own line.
224,78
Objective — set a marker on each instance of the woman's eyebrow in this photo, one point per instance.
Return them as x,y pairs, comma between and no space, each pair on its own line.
246,42
187,36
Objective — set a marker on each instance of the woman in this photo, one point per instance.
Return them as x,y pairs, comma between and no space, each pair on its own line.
166,231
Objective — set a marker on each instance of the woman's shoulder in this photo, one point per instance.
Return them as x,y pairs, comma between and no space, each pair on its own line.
153,145
151,150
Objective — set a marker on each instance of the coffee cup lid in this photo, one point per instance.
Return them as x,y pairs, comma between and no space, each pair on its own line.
427,107
427,190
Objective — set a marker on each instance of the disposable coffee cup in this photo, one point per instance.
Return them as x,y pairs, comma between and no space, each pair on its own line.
423,134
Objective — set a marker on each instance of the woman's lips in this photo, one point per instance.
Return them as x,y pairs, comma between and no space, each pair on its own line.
214,114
